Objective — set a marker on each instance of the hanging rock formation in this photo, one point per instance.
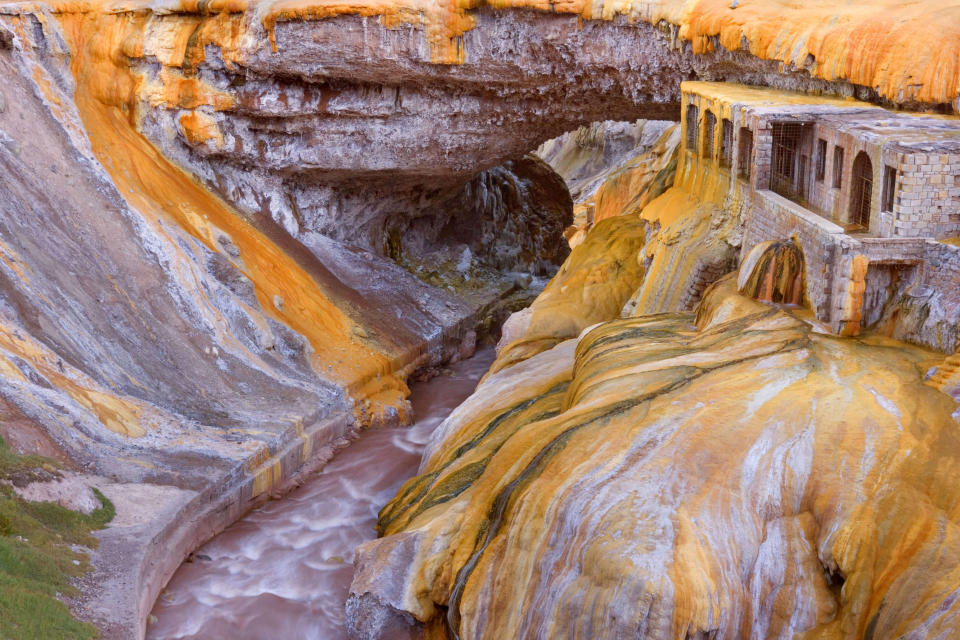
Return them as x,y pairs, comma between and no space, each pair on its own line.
337,118
204,205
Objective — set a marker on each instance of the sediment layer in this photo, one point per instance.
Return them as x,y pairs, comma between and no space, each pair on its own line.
734,472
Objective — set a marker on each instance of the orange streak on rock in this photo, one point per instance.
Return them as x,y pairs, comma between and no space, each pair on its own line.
199,128
106,92
590,287
695,481
853,302
906,51
118,413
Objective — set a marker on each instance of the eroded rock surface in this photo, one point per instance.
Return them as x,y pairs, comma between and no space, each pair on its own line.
733,474
338,119
200,200
152,333
613,168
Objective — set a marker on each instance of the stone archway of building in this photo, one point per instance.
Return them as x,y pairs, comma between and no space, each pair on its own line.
861,189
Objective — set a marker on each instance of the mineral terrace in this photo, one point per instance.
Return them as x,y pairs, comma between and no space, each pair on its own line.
719,244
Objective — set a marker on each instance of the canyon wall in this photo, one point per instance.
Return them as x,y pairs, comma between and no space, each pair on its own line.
221,219
613,168
338,119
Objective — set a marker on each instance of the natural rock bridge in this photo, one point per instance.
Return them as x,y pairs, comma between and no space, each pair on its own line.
195,344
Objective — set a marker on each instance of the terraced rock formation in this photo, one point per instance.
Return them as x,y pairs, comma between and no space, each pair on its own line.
731,474
205,204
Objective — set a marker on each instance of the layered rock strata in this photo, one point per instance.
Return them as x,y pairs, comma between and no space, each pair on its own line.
196,196
732,474
613,168
337,119
189,359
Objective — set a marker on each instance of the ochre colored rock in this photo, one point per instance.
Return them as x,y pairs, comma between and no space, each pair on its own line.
613,168
887,45
773,272
185,185
743,476
590,287
165,193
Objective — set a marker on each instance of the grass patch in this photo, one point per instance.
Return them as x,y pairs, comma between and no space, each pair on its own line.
36,555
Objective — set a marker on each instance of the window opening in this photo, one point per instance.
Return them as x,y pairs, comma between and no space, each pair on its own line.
692,125
837,167
889,187
709,125
821,159
744,153
726,143
789,167
861,190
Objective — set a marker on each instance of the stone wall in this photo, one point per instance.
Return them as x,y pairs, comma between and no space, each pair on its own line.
773,217
928,198
925,266
851,280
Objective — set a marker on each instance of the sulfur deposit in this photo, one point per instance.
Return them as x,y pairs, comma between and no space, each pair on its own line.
232,231
732,474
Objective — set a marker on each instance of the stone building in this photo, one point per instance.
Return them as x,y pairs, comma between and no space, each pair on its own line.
870,195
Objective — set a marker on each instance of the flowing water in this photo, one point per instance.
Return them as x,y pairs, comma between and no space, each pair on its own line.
284,570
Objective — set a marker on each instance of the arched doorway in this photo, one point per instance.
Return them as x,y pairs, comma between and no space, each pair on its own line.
860,189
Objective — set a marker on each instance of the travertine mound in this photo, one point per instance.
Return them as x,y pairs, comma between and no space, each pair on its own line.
198,197
734,475
658,260
613,168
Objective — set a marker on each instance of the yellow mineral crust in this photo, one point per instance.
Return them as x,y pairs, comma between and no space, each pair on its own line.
591,286
106,95
635,184
690,230
739,477
121,414
625,190
905,50
622,268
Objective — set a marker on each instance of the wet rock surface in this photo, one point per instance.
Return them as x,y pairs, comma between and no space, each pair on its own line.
199,294
560,494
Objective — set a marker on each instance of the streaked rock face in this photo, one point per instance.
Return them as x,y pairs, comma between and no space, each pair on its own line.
338,118
613,168
150,332
733,475
198,200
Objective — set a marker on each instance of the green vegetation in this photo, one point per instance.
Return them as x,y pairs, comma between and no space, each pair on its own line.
37,557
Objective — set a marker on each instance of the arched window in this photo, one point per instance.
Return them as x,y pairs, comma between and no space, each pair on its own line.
861,189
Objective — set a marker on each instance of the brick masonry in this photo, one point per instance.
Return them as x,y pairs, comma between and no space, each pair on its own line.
899,244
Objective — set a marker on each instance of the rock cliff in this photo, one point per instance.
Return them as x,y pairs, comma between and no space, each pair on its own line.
221,219
613,168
